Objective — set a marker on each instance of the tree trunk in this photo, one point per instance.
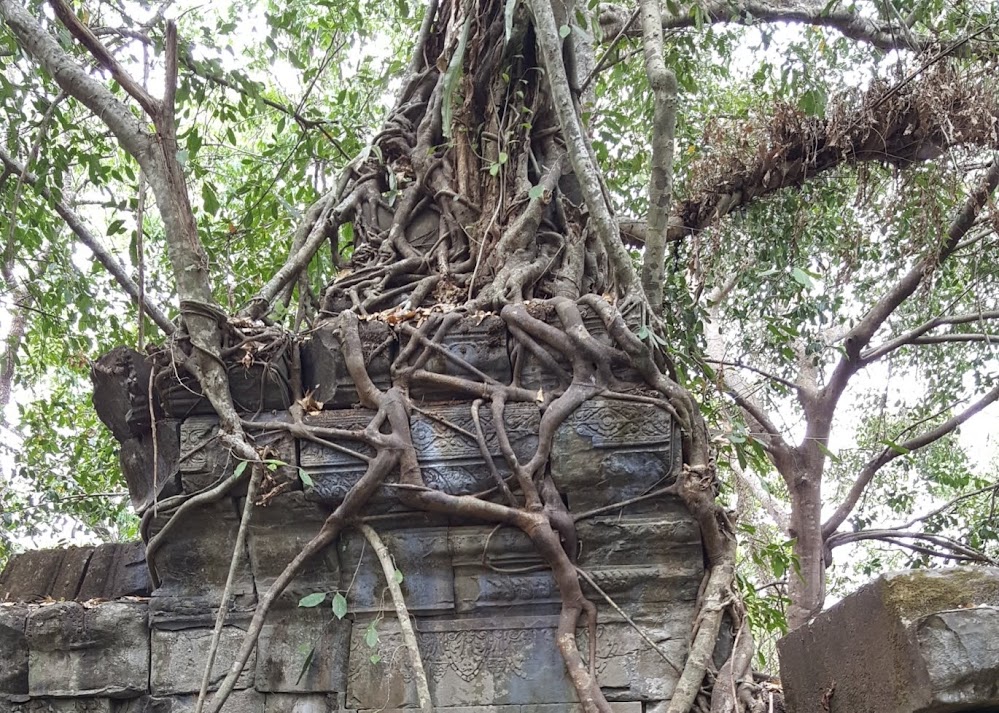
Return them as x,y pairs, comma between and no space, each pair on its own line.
806,585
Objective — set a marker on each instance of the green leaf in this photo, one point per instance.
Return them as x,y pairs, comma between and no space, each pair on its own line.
397,576
813,102
306,664
371,635
240,467
901,450
374,658
536,192
802,277
209,198
312,600
339,605
564,31
305,478
503,157
832,456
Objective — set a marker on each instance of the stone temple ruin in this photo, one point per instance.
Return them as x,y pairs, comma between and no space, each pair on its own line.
484,609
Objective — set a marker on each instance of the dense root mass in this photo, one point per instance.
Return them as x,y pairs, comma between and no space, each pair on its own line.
584,350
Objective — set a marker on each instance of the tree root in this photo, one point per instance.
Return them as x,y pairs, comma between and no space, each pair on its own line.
402,614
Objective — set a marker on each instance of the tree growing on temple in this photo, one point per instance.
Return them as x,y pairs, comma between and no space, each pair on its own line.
504,179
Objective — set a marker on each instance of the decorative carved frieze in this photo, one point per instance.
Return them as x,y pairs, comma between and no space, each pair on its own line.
610,450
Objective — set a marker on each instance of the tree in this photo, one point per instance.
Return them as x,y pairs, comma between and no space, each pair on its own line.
492,182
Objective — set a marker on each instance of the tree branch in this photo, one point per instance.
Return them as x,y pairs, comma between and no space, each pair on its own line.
663,84
891,453
766,374
860,336
93,45
946,506
105,258
915,334
30,35
890,126
956,549
849,23
402,614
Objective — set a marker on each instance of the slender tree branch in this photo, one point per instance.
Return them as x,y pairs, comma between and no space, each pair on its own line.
953,548
891,453
402,614
956,338
93,45
914,334
946,506
860,336
105,258
237,554
664,88
70,77
762,372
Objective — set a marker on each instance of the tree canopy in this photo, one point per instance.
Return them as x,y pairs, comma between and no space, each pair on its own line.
792,203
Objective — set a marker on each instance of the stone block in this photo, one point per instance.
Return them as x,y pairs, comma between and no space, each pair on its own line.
476,342
277,533
13,651
71,571
628,667
284,703
932,633
610,450
62,705
116,569
449,709
96,651
482,586
242,701
451,460
145,485
324,370
177,660
303,650
334,471
618,707
258,381
961,651
44,574
193,564
204,460
651,558
121,387
469,662
421,554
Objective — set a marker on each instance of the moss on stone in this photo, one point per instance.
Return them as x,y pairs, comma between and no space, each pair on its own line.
916,593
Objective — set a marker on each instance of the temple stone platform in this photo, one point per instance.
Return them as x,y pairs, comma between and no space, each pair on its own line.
84,630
